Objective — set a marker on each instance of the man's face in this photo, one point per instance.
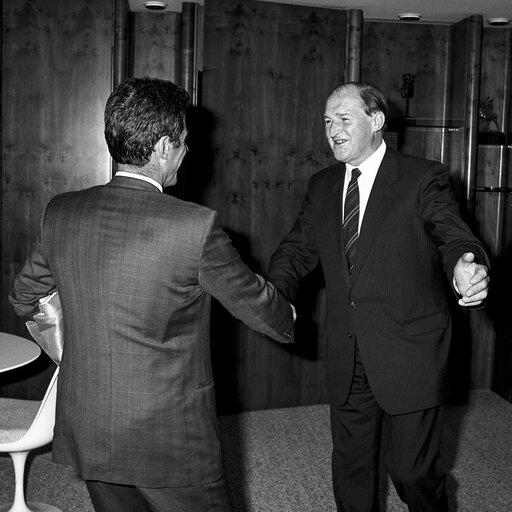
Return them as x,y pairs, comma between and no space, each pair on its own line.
173,164
351,132
183,148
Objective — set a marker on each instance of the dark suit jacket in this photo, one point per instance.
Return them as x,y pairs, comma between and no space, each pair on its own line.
135,271
395,302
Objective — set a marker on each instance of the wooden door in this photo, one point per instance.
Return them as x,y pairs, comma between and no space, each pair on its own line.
268,69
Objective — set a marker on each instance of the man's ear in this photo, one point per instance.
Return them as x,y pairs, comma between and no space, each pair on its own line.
162,147
379,119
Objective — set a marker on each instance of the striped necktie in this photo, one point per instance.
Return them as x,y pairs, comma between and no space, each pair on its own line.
351,218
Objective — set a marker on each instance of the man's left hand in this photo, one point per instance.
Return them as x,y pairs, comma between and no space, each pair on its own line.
471,280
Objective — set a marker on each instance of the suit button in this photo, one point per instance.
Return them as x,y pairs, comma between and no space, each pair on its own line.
349,335
353,304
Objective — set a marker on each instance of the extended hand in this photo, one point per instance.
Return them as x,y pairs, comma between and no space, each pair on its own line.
471,280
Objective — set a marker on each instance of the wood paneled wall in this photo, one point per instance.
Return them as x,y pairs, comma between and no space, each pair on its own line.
268,69
56,76
392,49
257,136
456,101
493,159
431,129
155,45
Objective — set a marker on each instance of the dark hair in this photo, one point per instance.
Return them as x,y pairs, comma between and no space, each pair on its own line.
138,113
372,97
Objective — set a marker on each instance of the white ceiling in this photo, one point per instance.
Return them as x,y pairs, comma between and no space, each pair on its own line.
432,11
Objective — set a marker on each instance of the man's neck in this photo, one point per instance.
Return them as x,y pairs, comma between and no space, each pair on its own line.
145,173
146,170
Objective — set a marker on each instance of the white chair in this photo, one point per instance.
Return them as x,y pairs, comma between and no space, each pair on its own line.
24,426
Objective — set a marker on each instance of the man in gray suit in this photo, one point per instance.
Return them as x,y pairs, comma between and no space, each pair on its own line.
135,270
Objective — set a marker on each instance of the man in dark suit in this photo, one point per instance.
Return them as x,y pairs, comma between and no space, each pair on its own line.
388,236
135,271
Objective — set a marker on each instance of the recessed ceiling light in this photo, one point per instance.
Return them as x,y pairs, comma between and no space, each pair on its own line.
409,16
498,21
155,6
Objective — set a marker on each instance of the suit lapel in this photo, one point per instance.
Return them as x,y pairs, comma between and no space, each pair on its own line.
380,199
333,206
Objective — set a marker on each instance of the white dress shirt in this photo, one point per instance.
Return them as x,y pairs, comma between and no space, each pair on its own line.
369,169
140,177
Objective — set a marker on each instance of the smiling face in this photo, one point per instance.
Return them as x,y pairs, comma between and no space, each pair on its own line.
353,135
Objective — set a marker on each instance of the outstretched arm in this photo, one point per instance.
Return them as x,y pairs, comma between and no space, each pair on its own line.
246,295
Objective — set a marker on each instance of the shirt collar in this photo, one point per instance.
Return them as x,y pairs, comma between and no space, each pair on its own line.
371,163
126,174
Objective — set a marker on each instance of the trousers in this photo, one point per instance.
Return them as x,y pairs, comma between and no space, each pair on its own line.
411,453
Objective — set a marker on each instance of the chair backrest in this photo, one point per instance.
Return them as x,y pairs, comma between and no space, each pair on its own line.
40,431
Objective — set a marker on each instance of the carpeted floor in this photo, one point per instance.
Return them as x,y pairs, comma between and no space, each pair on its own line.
278,461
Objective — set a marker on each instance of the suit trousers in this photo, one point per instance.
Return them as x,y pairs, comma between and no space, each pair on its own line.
411,453
108,497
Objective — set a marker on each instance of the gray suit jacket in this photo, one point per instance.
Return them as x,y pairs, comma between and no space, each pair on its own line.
135,271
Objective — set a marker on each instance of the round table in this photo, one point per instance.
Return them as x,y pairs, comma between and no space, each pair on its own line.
16,351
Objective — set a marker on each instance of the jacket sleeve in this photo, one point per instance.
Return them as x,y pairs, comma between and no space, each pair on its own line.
296,255
34,281
443,222
246,295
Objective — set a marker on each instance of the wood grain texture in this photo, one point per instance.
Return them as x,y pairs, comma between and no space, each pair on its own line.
56,76
474,62
121,46
456,79
457,71
188,47
392,49
495,74
156,45
354,45
490,211
268,69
